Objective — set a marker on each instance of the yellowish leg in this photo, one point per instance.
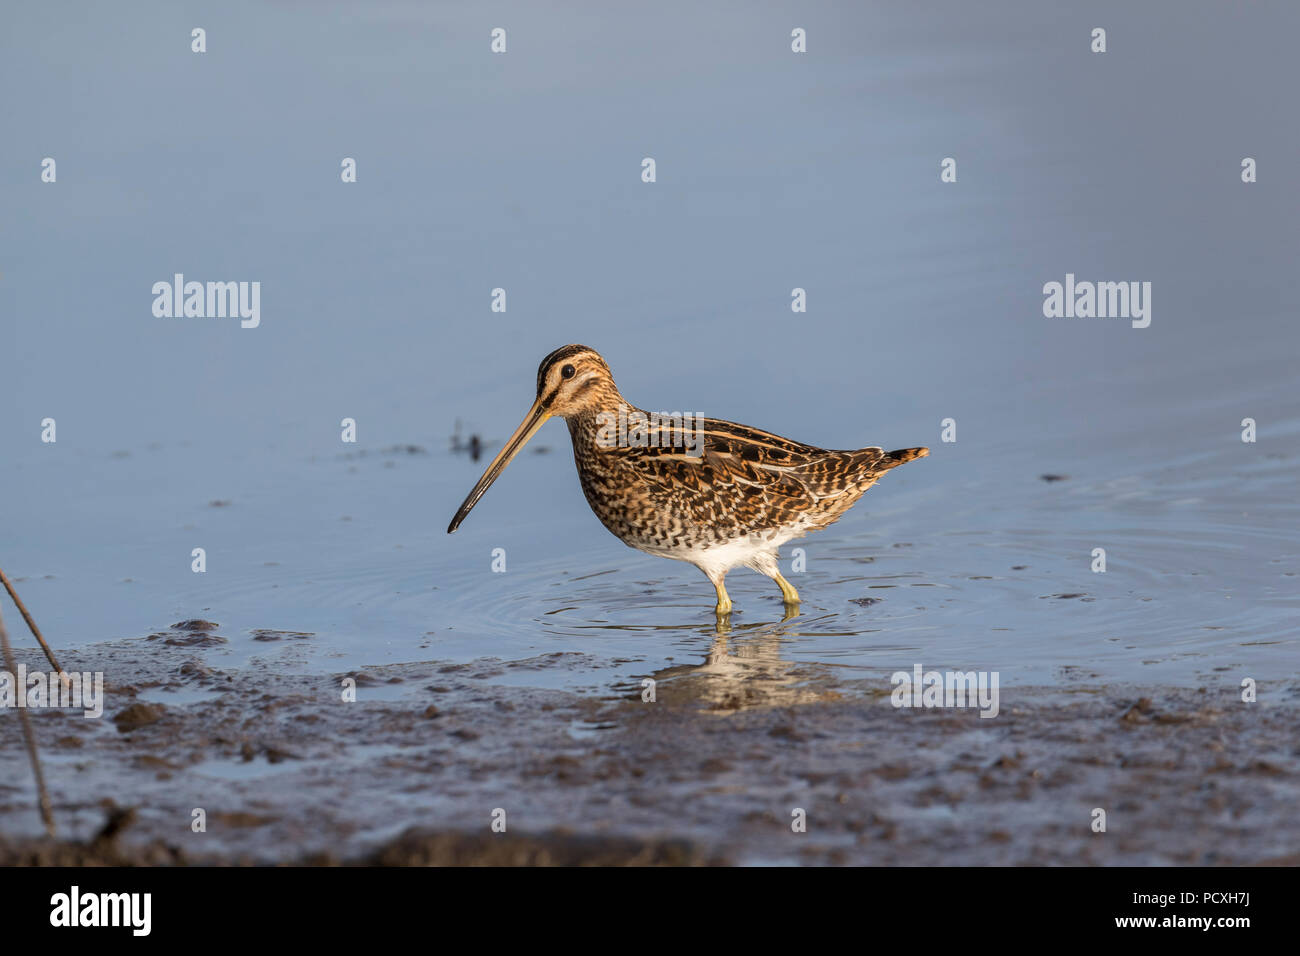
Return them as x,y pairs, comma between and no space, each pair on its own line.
788,592
724,600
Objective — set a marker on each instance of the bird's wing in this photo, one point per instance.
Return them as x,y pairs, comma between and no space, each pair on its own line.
731,460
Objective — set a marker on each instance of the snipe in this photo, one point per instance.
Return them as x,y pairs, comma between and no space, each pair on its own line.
713,493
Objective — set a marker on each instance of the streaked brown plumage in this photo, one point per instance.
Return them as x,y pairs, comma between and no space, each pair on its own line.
732,499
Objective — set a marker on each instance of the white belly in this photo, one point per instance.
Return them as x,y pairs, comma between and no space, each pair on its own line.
755,551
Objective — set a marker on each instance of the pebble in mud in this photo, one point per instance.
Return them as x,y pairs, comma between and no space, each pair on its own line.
200,639
137,715
267,634
1137,713
361,678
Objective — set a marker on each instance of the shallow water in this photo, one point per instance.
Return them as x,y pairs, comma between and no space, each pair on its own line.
522,171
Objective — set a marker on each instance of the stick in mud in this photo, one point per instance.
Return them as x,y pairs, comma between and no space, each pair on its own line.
22,609
42,796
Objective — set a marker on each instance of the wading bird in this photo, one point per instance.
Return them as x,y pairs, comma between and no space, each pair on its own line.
713,493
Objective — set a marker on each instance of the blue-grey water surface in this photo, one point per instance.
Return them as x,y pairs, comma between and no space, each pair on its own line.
774,171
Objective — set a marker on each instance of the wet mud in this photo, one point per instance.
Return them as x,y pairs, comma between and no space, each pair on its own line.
733,750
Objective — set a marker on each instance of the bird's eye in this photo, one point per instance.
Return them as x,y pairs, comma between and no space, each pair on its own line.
568,371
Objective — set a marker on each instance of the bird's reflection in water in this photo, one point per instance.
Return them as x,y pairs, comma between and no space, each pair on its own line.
744,669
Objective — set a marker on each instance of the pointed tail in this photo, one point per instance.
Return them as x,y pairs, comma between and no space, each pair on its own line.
902,456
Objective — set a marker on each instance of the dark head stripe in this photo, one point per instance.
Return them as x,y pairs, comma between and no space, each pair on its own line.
559,355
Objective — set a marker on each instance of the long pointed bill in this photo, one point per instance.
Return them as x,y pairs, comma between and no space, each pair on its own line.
534,420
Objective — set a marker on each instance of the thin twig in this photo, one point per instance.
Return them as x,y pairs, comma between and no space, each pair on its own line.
36,632
42,796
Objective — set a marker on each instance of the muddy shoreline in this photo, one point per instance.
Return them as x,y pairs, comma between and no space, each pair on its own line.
418,767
